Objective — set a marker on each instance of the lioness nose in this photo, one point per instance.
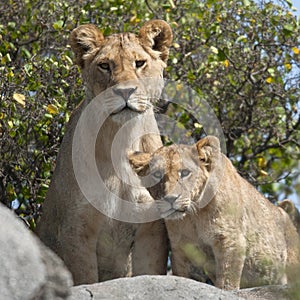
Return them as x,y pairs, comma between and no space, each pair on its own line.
171,198
125,93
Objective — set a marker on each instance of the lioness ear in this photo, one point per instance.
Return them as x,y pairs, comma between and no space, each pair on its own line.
207,147
139,161
84,39
157,34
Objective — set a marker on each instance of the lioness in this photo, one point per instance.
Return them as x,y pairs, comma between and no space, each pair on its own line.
238,239
93,246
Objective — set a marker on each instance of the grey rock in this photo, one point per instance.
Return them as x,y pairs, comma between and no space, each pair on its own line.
28,270
150,288
172,288
271,292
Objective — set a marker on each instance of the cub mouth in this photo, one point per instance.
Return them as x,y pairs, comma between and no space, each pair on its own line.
173,214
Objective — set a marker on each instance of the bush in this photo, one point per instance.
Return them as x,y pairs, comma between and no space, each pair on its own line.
242,57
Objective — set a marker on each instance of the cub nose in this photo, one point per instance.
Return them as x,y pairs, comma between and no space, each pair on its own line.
171,198
125,93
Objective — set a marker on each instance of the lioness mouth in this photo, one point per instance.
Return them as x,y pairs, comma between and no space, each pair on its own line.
127,108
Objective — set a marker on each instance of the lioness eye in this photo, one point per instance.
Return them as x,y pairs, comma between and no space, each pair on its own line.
157,174
104,66
139,63
184,173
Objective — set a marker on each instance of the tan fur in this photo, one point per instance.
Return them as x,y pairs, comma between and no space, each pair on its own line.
239,239
93,246
292,211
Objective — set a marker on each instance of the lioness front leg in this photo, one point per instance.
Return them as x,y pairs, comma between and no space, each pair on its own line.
81,262
150,251
113,250
80,241
230,256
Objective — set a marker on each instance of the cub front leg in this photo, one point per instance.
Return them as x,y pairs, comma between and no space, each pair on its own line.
150,251
230,253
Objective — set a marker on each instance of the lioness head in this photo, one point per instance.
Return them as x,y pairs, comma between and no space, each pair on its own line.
123,61
176,175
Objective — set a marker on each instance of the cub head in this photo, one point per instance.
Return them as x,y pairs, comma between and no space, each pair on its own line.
176,175
124,61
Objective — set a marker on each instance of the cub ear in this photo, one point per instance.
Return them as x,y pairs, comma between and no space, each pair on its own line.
157,34
139,161
207,148
83,39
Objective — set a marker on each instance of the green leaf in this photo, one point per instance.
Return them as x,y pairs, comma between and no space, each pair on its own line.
289,2
289,27
246,2
58,25
221,55
214,49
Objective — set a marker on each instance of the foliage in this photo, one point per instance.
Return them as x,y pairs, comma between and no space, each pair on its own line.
241,56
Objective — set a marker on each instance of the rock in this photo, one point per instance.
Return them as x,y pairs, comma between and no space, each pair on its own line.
28,269
271,292
171,288
150,288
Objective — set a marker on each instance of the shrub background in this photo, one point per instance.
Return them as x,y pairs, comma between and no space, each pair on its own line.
242,57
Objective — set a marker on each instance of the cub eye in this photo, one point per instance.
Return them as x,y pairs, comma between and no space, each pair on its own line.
139,63
104,66
184,173
157,175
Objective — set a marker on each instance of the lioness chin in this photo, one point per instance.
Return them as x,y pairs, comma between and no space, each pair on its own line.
238,238
94,246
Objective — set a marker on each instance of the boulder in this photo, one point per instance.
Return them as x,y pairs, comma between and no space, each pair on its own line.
150,288
170,288
269,292
28,270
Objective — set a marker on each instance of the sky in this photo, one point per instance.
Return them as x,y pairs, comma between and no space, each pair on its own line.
296,3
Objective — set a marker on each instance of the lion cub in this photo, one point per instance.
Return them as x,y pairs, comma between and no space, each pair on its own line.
220,227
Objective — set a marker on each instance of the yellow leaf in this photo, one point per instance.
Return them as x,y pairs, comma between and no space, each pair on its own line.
179,86
296,50
226,63
262,163
19,98
2,115
134,19
52,109
270,80
288,66
175,45
197,125
263,173
10,74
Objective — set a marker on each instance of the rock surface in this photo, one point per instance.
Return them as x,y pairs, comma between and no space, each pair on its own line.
271,292
169,288
28,269
150,288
